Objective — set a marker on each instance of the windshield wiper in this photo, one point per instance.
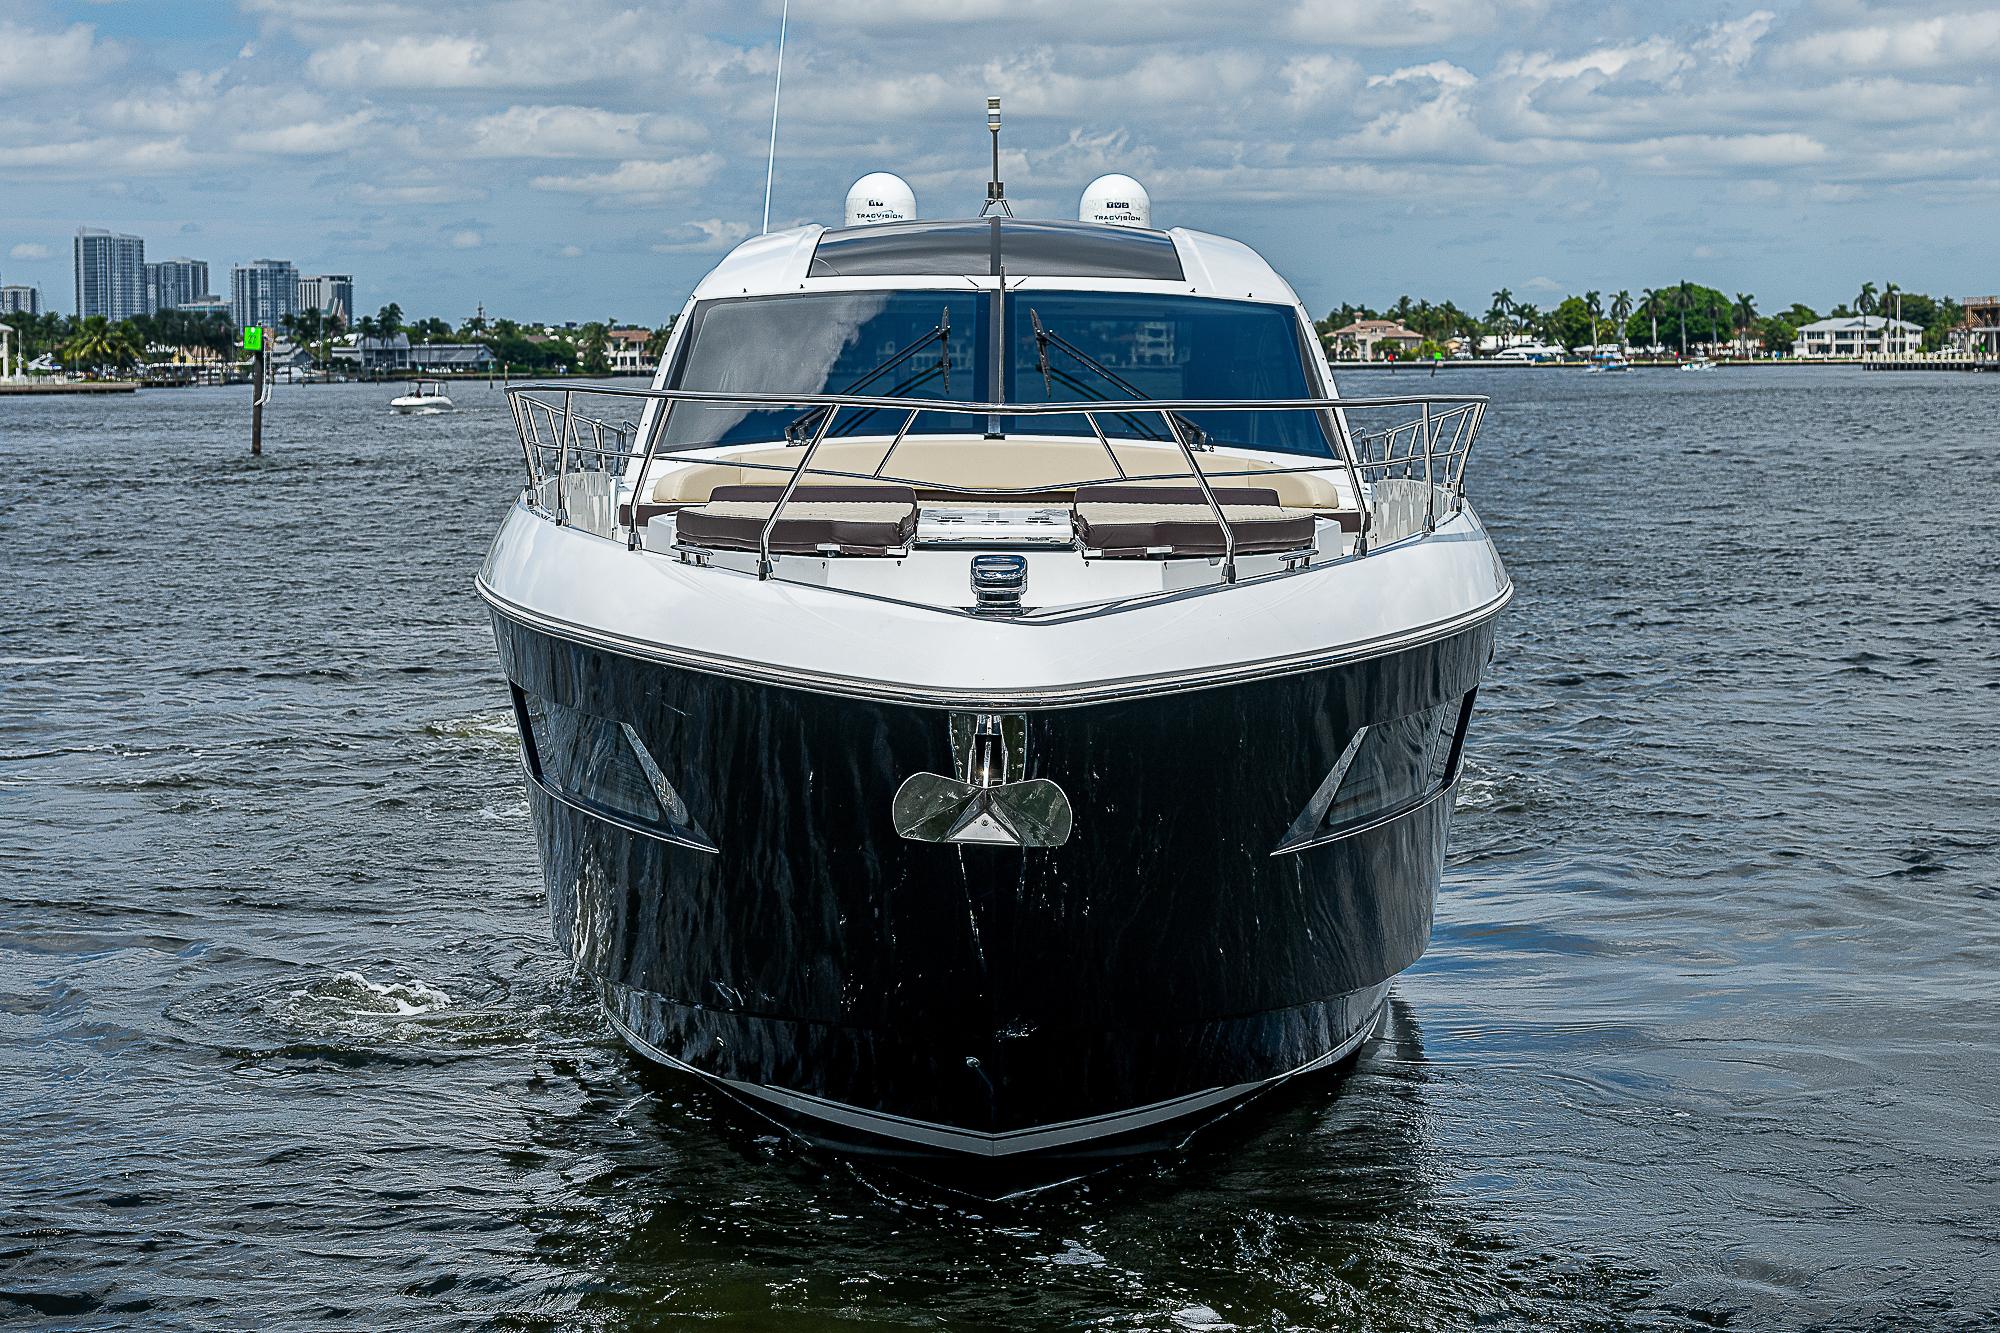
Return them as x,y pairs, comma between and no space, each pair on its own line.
1197,438
801,427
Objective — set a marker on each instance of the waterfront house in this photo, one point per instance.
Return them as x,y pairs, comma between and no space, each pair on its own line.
626,348
374,356
1366,339
453,358
1858,335
1982,325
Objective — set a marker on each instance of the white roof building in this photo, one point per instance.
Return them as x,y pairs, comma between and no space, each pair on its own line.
1858,335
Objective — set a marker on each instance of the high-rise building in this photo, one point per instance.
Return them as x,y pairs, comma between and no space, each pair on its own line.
20,301
175,282
263,292
328,293
110,274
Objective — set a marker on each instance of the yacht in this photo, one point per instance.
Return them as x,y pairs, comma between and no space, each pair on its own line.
1528,354
427,396
990,704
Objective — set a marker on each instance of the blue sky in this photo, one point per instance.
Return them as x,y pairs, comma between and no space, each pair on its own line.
586,159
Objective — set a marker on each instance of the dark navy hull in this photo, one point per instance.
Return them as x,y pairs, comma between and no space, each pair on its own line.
980,1002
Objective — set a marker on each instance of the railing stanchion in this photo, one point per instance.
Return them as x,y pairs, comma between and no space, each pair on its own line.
1208,493
1471,438
639,482
1109,452
527,450
791,484
563,438
1430,490
1343,444
909,420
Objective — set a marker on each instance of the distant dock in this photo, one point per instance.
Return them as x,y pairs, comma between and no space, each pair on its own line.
1963,363
70,386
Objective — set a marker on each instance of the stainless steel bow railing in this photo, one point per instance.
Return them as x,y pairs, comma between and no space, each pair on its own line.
1398,472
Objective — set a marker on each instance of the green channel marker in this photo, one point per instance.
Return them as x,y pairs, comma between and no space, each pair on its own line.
253,339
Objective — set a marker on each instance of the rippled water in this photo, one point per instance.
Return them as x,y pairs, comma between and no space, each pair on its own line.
1709,1033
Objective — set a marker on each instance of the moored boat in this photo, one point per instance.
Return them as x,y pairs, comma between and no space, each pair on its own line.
991,703
427,396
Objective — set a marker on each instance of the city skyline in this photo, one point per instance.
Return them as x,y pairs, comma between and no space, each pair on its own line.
595,162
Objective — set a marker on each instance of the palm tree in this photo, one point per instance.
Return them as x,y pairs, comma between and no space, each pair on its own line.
100,344
656,342
1621,310
1594,303
1683,298
1864,304
1650,303
1746,317
1890,289
1497,313
389,320
593,344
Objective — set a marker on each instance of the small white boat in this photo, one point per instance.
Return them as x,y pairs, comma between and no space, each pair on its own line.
428,396
1699,363
1609,364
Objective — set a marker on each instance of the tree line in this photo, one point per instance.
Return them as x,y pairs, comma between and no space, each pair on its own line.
95,344
1685,317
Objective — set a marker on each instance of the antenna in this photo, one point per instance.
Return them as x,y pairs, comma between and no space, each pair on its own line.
996,189
777,88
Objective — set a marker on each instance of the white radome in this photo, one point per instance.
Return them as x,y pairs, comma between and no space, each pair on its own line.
1116,201
880,197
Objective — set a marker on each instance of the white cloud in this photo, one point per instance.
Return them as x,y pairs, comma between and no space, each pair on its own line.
1967,39
465,239
369,192
574,131
1734,42
704,235
637,181
1409,23
411,63
30,250
306,138
92,158
31,59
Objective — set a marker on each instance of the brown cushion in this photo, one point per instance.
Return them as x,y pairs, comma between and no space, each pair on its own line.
851,519
1123,521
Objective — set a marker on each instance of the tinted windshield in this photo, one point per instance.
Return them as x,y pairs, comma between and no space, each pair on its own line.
831,342
1098,345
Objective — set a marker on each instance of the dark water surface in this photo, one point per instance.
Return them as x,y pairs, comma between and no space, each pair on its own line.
1709,1033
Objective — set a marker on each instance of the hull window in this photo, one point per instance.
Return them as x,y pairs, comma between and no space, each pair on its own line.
604,767
1386,769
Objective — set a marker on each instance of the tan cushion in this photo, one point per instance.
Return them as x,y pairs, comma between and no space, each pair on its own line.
1012,464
